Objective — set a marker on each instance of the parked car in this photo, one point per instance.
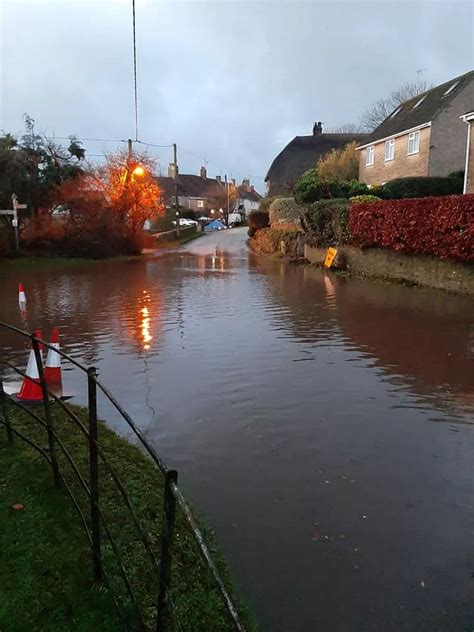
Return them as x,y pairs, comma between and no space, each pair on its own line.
234,219
185,222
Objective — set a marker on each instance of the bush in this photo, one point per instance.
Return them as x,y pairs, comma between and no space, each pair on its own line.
310,188
353,188
442,226
285,211
327,222
251,232
265,203
421,187
267,241
361,199
258,219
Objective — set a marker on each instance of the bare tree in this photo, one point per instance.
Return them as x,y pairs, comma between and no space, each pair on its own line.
346,128
379,111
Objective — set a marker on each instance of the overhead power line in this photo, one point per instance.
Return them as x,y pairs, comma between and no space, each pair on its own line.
135,71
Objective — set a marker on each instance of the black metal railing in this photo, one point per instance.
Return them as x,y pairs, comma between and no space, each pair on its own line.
95,523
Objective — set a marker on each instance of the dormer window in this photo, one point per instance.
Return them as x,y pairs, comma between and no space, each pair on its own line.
419,102
451,88
396,111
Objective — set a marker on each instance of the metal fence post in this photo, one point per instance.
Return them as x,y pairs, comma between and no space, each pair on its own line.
169,512
5,414
47,412
94,473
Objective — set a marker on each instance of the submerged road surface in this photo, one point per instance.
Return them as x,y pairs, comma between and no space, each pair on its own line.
323,426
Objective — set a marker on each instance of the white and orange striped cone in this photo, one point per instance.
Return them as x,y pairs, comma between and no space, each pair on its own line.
31,388
21,296
52,368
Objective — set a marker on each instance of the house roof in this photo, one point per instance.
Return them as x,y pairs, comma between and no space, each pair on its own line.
245,192
302,153
190,185
407,116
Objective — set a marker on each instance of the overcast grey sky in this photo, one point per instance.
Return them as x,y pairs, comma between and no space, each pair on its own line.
230,82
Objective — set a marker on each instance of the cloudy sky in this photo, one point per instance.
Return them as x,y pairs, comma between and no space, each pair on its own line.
230,82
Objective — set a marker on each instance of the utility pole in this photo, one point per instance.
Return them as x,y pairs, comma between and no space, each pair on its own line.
130,150
176,204
227,203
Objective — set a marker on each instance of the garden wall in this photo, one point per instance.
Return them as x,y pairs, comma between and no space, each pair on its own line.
442,274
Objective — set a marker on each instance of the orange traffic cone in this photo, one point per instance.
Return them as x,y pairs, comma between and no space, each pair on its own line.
52,368
31,388
21,296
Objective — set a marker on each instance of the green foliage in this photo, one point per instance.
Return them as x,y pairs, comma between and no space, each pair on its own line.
327,222
354,187
362,199
33,166
310,188
421,187
251,231
265,203
258,219
285,211
267,240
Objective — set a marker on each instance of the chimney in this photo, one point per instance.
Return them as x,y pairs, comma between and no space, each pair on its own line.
203,173
252,188
317,128
171,173
233,182
246,182
219,179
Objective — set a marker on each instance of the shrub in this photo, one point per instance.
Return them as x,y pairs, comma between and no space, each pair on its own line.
421,187
342,164
265,203
353,188
258,219
442,226
267,241
327,222
251,232
285,211
361,199
310,188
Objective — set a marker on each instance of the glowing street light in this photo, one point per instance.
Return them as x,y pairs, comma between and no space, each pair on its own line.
138,171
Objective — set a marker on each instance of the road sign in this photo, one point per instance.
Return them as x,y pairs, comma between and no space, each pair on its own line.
22,206
330,256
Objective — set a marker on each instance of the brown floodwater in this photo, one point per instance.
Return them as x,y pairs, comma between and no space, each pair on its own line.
323,426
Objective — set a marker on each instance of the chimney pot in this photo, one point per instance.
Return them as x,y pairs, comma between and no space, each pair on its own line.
219,179
203,173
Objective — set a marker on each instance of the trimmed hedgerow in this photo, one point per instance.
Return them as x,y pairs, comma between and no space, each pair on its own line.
326,222
258,220
267,240
422,186
440,226
285,211
361,199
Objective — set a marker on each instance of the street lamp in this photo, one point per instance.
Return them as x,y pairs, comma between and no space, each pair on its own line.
138,171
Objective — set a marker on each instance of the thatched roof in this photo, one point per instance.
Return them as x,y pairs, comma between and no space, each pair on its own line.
302,153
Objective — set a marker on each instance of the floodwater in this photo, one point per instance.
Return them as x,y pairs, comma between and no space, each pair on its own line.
323,426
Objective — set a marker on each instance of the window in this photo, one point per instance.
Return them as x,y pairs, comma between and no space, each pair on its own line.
200,203
390,149
396,111
451,88
370,156
419,102
413,143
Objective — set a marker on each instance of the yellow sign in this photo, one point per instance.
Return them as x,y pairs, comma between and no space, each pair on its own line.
330,255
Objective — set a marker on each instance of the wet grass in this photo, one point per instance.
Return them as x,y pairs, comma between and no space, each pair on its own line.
26,262
191,237
45,561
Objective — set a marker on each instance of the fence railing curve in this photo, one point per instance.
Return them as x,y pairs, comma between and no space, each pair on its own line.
173,497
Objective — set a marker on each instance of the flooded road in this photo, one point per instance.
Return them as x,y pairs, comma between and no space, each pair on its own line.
323,426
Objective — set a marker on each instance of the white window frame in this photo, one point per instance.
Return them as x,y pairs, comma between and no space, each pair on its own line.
390,145
200,203
413,137
370,156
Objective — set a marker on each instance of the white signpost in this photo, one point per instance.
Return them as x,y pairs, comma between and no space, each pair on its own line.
14,213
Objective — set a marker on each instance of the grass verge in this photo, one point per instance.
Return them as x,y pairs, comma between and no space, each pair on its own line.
45,561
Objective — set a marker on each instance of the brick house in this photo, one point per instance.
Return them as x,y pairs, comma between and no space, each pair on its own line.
469,165
423,136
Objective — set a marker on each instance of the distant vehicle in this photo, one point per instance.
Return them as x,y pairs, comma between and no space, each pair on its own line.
183,221
215,225
234,219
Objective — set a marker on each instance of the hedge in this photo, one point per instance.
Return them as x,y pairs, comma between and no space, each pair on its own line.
310,188
267,241
443,227
258,219
285,211
327,222
421,187
361,199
